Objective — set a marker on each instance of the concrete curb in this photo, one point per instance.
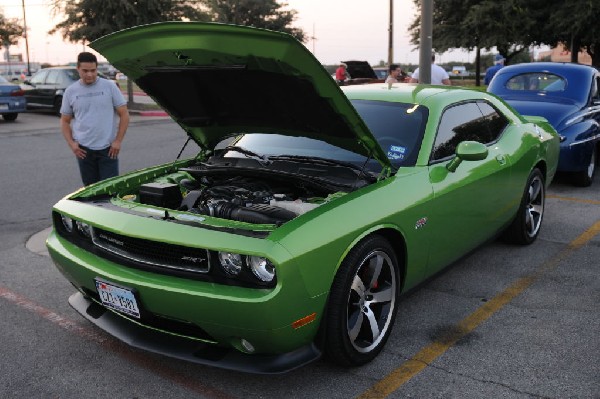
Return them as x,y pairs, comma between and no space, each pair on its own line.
37,242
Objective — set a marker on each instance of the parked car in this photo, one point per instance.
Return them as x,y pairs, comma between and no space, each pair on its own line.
46,87
459,70
308,210
12,100
567,96
381,72
361,72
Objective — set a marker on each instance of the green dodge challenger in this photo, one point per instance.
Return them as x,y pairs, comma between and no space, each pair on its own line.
307,211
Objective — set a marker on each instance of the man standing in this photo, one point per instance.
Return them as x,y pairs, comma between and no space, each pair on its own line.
89,124
491,71
438,75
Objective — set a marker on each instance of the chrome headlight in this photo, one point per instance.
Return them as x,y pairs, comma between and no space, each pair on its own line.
262,268
84,228
231,263
67,223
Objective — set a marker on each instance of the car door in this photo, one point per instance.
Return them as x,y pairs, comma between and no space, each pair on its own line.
473,202
34,89
51,85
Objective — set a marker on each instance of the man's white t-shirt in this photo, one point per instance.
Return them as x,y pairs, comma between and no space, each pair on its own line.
438,74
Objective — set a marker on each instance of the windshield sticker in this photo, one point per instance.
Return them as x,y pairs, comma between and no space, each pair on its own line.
396,152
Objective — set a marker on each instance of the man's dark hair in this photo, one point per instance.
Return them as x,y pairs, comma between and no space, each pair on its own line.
86,57
393,67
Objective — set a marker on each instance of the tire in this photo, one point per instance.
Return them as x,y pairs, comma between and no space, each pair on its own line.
527,223
57,104
586,177
10,117
362,303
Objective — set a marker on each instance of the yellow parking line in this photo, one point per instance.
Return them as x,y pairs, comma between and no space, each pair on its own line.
427,355
585,201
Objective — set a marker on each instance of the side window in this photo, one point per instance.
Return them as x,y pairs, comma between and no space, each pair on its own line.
496,123
595,93
458,123
39,78
53,76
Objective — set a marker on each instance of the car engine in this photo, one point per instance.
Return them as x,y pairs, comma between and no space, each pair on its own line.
239,198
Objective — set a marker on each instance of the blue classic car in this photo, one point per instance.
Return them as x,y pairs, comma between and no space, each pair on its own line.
567,96
12,100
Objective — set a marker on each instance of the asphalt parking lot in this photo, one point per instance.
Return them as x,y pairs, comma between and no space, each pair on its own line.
503,322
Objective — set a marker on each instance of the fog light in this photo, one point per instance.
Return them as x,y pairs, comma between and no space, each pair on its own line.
67,223
84,228
262,268
230,262
247,346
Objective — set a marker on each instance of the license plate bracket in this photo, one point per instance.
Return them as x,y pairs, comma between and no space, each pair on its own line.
119,298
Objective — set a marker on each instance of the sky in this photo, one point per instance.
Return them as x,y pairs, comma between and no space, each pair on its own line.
343,30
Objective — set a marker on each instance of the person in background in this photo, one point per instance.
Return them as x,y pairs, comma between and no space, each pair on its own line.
491,71
94,119
438,75
341,74
395,74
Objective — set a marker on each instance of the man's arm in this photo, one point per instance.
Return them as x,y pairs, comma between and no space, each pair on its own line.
65,127
115,146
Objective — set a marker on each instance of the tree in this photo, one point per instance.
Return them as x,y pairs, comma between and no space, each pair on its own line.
480,24
575,24
88,20
266,14
11,30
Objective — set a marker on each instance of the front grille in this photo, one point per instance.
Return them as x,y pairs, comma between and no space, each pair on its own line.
154,253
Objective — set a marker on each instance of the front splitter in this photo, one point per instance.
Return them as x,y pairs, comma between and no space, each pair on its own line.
188,349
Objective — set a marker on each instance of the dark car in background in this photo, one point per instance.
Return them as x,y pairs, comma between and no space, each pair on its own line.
568,96
46,87
361,72
12,100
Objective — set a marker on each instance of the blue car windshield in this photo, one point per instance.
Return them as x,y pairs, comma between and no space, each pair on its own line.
398,128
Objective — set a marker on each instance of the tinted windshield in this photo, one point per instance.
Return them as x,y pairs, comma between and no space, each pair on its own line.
398,128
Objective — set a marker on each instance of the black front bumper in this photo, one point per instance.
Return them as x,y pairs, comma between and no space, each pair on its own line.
187,349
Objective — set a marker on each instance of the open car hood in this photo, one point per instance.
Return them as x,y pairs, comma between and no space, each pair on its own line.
219,80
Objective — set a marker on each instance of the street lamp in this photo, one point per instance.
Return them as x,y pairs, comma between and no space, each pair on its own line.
26,35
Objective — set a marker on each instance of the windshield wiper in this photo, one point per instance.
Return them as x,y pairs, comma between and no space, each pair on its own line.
262,159
318,161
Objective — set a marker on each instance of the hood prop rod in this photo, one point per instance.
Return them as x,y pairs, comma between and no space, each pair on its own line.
180,152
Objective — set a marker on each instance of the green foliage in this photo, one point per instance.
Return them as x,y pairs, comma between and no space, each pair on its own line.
484,24
11,30
266,14
513,25
87,20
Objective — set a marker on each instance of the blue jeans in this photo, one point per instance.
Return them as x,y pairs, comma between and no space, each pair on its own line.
97,165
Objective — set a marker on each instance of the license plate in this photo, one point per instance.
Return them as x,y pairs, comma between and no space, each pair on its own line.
118,298
3,106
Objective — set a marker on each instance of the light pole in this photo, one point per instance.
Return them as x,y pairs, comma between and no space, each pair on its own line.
26,39
391,35
426,41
